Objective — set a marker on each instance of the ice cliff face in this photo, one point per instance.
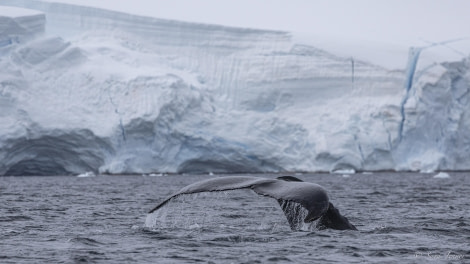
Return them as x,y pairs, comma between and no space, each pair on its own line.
116,93
437,118
19,25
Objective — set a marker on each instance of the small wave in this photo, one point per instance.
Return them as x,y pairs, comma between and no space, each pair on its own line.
317,234
89,256
233,216
443,231
378,193
281,259
85,241
241,238
392,229
380,253
157,234
13,218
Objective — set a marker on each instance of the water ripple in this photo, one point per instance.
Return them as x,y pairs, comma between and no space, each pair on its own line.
406,217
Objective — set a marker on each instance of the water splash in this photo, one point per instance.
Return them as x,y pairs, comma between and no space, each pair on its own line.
176,214
295,214
223,211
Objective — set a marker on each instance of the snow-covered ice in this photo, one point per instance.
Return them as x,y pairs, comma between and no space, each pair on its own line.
18,25
442,175
112,92
86,174
17,12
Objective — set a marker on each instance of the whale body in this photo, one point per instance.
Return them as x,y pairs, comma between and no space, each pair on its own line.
289,191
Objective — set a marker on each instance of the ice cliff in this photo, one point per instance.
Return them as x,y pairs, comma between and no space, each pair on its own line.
19,25
116,93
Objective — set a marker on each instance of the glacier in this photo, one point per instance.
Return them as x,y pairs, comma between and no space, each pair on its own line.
84,89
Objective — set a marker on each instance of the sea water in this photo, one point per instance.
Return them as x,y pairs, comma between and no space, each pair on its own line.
401,217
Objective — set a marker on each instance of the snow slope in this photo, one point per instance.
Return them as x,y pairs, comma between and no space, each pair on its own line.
112,92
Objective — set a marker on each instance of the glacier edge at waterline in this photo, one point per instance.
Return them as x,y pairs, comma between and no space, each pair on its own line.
117,93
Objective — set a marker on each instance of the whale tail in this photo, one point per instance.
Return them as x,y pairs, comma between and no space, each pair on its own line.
301,202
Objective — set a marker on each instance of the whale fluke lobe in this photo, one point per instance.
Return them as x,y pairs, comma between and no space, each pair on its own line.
330,219
215,185
301,202
334,220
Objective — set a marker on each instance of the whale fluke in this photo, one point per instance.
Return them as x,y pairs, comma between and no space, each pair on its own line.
290,192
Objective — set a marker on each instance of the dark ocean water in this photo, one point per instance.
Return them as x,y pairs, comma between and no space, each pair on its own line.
401,217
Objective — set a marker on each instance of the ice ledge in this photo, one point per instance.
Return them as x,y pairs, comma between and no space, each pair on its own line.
18,25
13,12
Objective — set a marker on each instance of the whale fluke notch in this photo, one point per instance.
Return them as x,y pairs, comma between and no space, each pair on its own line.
291,193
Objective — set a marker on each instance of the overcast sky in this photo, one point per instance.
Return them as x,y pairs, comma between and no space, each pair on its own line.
384,20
